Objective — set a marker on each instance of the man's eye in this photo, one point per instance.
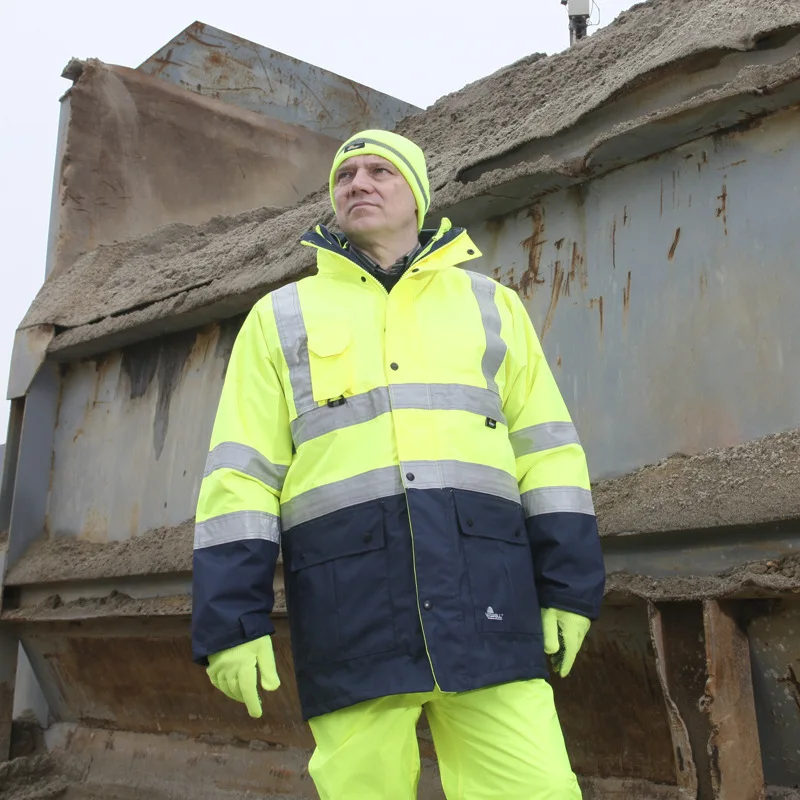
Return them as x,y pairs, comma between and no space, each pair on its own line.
343,175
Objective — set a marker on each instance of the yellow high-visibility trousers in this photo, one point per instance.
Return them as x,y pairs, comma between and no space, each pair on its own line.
499,743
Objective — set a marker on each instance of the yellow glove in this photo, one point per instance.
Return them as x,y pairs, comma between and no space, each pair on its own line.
234,672
563,636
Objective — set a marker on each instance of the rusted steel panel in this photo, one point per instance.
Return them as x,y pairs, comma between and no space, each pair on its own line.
138,675
132,437
734,748
774,638
658,354
213,62
611,706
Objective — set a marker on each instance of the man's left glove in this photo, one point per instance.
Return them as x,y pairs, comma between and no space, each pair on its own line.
235,672
563,636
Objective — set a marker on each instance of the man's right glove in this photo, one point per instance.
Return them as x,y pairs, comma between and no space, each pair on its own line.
235,672
563,636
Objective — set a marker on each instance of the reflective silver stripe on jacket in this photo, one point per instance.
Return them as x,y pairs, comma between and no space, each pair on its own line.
247,460
325,419
556,499
460,475
236,527
372,485
448,397
544,436
484,290
370,405
294,344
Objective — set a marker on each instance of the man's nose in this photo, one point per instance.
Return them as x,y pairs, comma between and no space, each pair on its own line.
361,182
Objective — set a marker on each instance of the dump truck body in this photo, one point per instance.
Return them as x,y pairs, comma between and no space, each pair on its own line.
649,227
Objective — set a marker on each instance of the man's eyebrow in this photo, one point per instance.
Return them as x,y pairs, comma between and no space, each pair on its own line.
373,162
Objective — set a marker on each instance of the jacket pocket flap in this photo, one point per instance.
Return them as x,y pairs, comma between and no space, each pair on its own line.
489,517
328,340
349,532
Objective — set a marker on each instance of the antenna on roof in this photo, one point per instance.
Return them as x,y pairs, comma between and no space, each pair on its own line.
579,12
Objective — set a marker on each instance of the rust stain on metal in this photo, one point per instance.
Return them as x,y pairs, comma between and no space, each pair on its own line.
722,208
626,301
597,302
533,245
558,362
555,291
164,62
578,267
703,160
614,243
703,284
734,164
625,216
674,245
557,269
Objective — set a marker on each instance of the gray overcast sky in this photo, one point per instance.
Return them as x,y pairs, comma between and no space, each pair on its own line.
417,50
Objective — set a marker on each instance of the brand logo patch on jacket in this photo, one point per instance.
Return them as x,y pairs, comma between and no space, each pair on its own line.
491,614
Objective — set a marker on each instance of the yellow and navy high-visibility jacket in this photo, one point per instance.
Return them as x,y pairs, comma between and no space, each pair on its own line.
412,455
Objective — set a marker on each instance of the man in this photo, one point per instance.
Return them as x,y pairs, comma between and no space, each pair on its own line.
392,424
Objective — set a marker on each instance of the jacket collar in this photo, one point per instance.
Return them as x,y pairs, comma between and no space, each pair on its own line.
443,247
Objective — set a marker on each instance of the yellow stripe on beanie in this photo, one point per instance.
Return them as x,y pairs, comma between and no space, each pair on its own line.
403,153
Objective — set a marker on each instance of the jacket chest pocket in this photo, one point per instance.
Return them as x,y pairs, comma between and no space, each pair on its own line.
502,585
330,355
337,587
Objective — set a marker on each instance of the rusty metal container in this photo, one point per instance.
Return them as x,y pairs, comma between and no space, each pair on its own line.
652,238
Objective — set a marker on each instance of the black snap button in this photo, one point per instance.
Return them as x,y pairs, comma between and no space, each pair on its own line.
517,534
393,365
470,521
427,605
470,252
416,269
302,556
410,476
366,538
363,279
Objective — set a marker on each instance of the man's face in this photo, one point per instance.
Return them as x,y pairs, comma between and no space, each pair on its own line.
371,197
